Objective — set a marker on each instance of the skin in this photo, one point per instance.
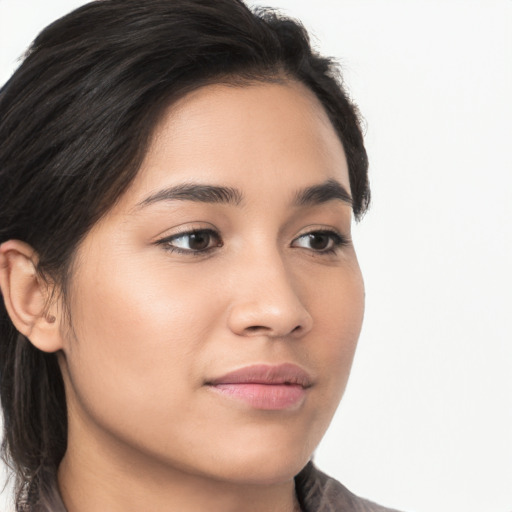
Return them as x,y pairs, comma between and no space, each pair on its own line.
150,326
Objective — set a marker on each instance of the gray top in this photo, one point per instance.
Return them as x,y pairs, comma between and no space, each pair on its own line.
318,492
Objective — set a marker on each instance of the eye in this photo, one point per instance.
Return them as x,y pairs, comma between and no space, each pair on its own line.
194,242
323,241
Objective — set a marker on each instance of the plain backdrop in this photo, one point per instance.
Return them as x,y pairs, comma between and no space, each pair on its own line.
426,422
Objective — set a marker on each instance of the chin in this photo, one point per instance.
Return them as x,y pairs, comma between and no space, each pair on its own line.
265,461
263,472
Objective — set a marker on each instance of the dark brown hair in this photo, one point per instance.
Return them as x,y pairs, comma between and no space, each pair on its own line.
75,121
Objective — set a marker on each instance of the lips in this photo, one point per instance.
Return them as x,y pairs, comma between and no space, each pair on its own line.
265,387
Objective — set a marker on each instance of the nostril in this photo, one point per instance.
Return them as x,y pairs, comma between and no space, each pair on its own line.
273,320
256,328
262,329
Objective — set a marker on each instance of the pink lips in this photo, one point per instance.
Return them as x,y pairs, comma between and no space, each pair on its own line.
264,386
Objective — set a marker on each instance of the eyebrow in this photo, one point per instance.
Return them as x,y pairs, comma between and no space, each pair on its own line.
203,193
195,192
322,193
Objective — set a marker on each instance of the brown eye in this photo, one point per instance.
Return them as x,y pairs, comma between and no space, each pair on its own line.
199,241
193,242
320,241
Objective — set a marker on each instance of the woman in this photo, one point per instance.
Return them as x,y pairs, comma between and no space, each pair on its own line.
182,299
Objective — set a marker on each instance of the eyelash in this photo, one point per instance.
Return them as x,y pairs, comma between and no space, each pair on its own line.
338,241
166,242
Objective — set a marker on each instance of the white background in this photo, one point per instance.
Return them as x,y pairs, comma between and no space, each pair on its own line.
426,423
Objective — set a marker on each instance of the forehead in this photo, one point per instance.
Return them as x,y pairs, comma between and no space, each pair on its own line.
262,136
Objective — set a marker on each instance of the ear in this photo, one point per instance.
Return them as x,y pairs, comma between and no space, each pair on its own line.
26,296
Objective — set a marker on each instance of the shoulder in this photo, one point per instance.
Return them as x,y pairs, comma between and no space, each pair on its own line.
318,492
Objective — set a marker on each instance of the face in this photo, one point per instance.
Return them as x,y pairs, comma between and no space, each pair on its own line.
215,309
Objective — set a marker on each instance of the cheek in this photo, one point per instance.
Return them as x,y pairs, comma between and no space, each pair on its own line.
338,313
139,338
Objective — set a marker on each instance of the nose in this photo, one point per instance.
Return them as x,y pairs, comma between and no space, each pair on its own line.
265,302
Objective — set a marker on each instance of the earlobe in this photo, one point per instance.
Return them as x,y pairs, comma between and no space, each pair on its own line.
25,296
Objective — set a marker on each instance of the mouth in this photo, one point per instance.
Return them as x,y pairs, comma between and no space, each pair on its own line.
265,387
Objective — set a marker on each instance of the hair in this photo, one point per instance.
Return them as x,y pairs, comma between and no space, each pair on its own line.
75,121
